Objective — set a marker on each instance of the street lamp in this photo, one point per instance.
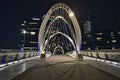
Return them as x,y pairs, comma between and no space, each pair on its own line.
24,32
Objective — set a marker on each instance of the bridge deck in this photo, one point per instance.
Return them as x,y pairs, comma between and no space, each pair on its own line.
64,68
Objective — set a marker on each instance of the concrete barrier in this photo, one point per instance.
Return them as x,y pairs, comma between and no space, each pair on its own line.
112,56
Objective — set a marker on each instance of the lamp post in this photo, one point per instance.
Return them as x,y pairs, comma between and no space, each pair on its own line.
24,32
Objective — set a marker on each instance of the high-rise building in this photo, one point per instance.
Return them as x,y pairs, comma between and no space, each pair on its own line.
87,36
107,39
29,34
116,23
87,27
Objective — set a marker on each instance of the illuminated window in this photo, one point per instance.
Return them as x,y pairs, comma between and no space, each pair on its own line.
113,47
84,42
108,42
114,41
99,38
22,24
111,33
113,37
32,33
99,33
32,23
96,48
33,42
88,49
118,32
36,19
24,21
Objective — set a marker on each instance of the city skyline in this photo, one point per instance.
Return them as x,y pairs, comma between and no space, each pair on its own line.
14,12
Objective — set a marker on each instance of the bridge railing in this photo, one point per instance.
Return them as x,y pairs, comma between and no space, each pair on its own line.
6,57
72,54
106,55
75,55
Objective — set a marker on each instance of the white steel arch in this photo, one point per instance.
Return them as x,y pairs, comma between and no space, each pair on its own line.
47,41
58,17
57,48
73,20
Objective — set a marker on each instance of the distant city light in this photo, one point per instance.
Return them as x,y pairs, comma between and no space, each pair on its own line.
99,38
118,32
84,42
99,33
114,41
36,19
32,33
33,23
22,24
71,14
108,42
111,33
24,31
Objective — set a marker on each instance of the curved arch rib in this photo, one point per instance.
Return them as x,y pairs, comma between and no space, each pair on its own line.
58,17
47,41
74,22
57,48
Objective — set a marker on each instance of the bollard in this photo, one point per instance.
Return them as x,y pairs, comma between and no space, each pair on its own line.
4,59
43,57
24,56
16,57
79,57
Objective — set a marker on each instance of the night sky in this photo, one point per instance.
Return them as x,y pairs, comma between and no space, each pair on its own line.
13,12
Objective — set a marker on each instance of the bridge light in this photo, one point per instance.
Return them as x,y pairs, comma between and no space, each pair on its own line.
71,14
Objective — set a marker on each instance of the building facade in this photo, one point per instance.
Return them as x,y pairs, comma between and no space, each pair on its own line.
87,36
107,39
29,34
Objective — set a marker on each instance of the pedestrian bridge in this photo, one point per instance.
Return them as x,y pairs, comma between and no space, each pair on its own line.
60,67
60,56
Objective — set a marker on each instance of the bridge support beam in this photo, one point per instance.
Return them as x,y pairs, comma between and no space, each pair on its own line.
43,55
79,57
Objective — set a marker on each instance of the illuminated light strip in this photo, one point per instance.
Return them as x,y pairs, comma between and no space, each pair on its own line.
108,61
91,58
94,58
20,60
115,63
9,63
2,65
15,62
102,60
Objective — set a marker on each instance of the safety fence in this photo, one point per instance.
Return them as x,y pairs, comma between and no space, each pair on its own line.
15,56
105,55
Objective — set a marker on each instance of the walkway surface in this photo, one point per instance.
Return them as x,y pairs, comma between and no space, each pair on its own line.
64,68
9,72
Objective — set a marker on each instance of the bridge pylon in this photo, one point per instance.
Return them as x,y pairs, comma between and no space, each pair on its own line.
79,57
43,55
